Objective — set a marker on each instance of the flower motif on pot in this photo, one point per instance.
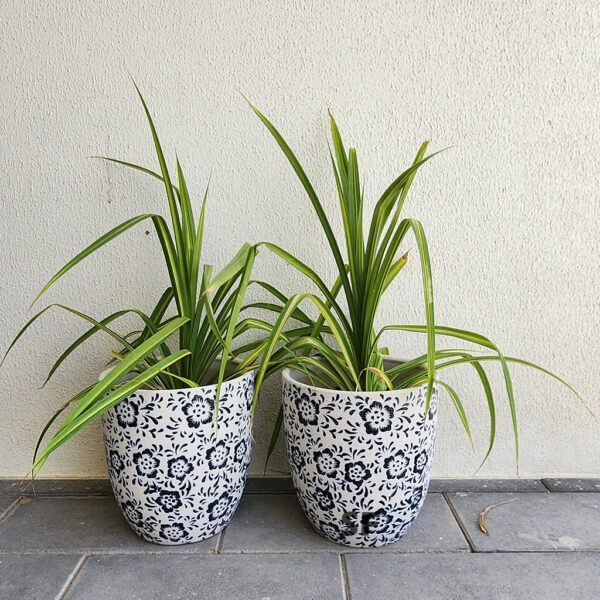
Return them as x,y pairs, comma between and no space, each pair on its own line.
376,522
351,522
240,451
179,467
326,463
173,532
331,530
396,465
127,412
115,462
296,457
356,472
377,417
217,455
199,411
169,500
308,410
248,388
145,463
131,512
219,507
416,498
421,461
324,498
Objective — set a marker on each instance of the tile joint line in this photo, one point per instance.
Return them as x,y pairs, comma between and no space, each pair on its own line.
72,577
459,522
10,510
219,546
344,576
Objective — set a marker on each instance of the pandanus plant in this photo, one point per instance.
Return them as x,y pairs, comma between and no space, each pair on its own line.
341,349
206,308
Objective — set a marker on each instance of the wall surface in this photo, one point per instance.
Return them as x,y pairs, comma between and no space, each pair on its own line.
512,210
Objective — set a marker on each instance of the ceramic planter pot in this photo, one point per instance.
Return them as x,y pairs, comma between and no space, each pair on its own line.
177,476
360,462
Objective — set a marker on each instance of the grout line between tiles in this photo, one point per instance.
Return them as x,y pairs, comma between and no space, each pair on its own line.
459,522
72,577
101,552
219,546
344,575
10,510
344,550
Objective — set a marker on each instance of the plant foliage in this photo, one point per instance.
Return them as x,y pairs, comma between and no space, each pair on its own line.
206,308
341,348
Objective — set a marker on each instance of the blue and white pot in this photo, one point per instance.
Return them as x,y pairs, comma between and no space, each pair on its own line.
360,461
177,475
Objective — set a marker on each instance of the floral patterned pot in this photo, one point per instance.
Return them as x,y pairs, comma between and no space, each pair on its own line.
360,462
176,474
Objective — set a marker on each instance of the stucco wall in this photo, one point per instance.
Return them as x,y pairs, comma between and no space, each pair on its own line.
511,211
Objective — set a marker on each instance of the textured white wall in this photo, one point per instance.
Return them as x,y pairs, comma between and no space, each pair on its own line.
512,211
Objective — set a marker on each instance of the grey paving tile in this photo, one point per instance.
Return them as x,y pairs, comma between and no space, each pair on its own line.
215,577
269,485
486,485
77,525
572,485
276,523
27,577
272,523
435,530
55,487
532,522
474,576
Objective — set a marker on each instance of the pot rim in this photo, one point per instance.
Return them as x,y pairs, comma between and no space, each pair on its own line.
201,388
286,373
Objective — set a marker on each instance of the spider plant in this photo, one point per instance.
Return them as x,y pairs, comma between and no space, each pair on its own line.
206,310
341,349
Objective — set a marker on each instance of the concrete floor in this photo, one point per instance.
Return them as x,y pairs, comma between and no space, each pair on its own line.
70,541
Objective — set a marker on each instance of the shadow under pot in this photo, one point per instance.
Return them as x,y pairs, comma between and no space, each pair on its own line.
178,475
360,461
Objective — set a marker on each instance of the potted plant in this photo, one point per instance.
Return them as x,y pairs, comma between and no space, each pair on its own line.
176,423
360,426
